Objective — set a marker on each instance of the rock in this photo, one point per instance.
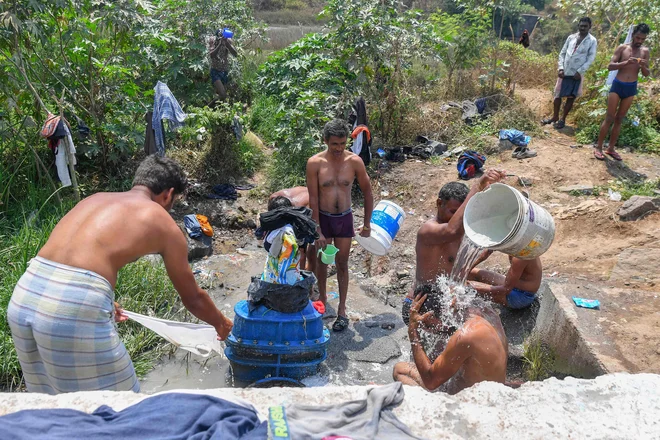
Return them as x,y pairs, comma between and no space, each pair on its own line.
402,274
408,253
586,189
639,262
524,181
200,248
251,224
637,207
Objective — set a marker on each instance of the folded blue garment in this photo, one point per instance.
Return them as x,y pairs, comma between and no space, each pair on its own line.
516,137
193,228
586,303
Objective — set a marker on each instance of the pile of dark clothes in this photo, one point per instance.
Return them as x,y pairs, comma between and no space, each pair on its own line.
300,220
479,108
227,191
179,416
285,298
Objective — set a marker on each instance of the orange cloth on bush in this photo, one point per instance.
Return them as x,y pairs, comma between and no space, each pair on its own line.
204,223
359,129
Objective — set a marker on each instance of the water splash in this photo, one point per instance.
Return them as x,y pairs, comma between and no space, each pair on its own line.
467,254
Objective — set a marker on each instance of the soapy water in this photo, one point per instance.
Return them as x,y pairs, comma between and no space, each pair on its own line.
457,301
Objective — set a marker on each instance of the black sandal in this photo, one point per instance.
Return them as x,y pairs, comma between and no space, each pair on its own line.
340,324
560,124
547,121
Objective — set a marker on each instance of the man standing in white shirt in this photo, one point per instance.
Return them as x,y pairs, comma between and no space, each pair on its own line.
576,56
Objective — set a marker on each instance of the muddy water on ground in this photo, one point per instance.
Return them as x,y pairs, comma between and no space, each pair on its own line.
226,277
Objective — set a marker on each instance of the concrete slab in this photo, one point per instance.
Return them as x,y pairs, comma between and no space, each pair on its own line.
623,336
619,406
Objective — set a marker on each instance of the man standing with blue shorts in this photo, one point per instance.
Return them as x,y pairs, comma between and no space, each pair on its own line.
516,290
628,59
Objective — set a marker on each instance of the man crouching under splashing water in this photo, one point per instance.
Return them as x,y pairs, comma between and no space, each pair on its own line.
475,351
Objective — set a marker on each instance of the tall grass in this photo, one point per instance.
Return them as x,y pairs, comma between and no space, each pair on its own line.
28,214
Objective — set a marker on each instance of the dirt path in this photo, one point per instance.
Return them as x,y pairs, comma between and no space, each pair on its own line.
589,236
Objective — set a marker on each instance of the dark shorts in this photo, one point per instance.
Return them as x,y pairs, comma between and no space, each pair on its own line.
569,87
337,225
624,89
219,75
519,299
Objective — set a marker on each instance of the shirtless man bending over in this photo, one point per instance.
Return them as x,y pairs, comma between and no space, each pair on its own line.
299,197
476,352
628,59
330,176
439,238
62,309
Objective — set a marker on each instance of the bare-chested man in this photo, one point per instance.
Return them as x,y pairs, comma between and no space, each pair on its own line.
475,352
628,59
516,290
330,177
439,238
299,197
61,312
219,49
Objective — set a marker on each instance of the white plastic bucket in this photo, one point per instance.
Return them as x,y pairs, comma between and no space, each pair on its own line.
502,219
386,220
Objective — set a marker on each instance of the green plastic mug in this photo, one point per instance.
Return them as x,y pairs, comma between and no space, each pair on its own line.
328,254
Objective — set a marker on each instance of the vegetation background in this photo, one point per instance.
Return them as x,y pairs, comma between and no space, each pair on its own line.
300,63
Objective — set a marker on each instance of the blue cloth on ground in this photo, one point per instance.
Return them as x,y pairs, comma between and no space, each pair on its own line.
172,416
469,163
224,191
165,107
586,303
516,137
193,228
519,299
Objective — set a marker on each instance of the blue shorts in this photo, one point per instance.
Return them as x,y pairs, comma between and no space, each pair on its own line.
624,89
219,75
519,299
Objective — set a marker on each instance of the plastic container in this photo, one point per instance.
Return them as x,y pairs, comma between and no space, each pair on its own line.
328,254
270,328
386,221
226,33
502,219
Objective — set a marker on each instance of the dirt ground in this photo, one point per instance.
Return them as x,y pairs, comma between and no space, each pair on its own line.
589,236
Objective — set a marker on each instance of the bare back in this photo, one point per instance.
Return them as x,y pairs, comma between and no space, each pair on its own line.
106,231
433,259
299,196
335,180
630,72
486,353
530,279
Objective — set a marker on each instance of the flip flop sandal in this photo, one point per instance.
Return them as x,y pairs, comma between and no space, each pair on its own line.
560,124
340,324
614,155
547,121
599,155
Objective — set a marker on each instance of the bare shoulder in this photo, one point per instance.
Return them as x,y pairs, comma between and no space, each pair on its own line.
315,160
428,228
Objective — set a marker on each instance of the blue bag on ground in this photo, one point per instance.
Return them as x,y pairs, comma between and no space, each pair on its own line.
586,303
172,416
469,163
516,137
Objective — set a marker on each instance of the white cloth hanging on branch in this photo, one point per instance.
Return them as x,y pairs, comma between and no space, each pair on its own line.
62,159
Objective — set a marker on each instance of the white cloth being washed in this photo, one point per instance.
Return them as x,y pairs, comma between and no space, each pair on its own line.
201,339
